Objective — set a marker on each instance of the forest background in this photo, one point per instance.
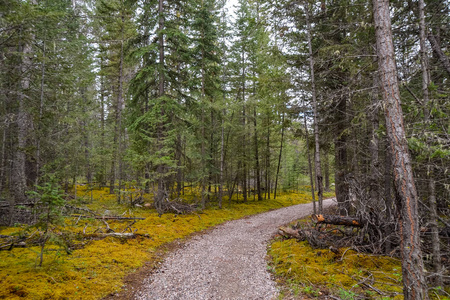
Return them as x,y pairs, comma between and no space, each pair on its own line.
163,96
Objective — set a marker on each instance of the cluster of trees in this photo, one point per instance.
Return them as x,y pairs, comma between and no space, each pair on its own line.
165,94
174,93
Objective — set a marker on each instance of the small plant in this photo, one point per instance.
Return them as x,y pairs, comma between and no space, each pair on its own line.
346,295
311,291
50,200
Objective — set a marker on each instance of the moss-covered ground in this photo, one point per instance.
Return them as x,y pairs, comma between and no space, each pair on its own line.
303,272
97,268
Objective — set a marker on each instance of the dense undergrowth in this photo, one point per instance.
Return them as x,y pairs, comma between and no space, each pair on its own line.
96,268
304,272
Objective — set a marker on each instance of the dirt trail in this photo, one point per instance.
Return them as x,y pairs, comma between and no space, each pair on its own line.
228,262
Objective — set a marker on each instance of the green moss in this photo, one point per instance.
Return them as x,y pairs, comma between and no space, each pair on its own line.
315,269
99,268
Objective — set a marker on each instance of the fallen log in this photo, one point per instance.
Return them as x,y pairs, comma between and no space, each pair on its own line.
107,217
337,220
289,232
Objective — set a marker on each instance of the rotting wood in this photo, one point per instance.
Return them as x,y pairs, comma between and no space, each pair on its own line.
337,220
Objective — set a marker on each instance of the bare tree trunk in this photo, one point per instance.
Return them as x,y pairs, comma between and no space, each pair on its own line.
318,168
258,171
431,184
23,123
311,180
41,108
102,124
279,156
326,169
424,61
119,109
440,54
414,285
435,242
3,158
161,168
374,146
267,184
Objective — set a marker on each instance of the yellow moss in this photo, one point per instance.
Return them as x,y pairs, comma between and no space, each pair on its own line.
298,263
99,268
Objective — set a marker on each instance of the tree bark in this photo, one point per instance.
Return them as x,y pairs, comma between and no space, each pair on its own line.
374,146
414,285
279,157
161,168
440,54
435,242
18,183
337,220
258,171
41,108
317,162
311,180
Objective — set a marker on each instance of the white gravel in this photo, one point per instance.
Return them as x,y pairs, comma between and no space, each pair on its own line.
225,263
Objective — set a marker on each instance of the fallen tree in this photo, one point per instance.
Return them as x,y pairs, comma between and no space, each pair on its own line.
338,220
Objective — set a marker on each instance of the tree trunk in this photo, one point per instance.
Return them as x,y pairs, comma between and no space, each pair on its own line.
374,146
440,54
311,180
317,162
279,156
258,171
342,192
41,108
161,168
267,184
431,184
435,242
414,285
326,169
18,184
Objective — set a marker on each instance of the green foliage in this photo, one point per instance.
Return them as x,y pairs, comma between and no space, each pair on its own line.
49,202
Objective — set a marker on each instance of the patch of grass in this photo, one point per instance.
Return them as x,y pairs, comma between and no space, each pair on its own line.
99,267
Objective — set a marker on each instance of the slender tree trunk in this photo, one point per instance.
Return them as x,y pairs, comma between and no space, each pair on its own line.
431,182
268,158
440,54
161,168
435,242
203,137
23,124
424,60
374,146
326,169
317,163
258,171
102,124
414,285
41,108
3,158
311,180
119,109
279,156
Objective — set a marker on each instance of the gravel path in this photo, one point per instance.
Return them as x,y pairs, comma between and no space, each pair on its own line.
225,263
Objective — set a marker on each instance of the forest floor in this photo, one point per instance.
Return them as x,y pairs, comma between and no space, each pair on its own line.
81,264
